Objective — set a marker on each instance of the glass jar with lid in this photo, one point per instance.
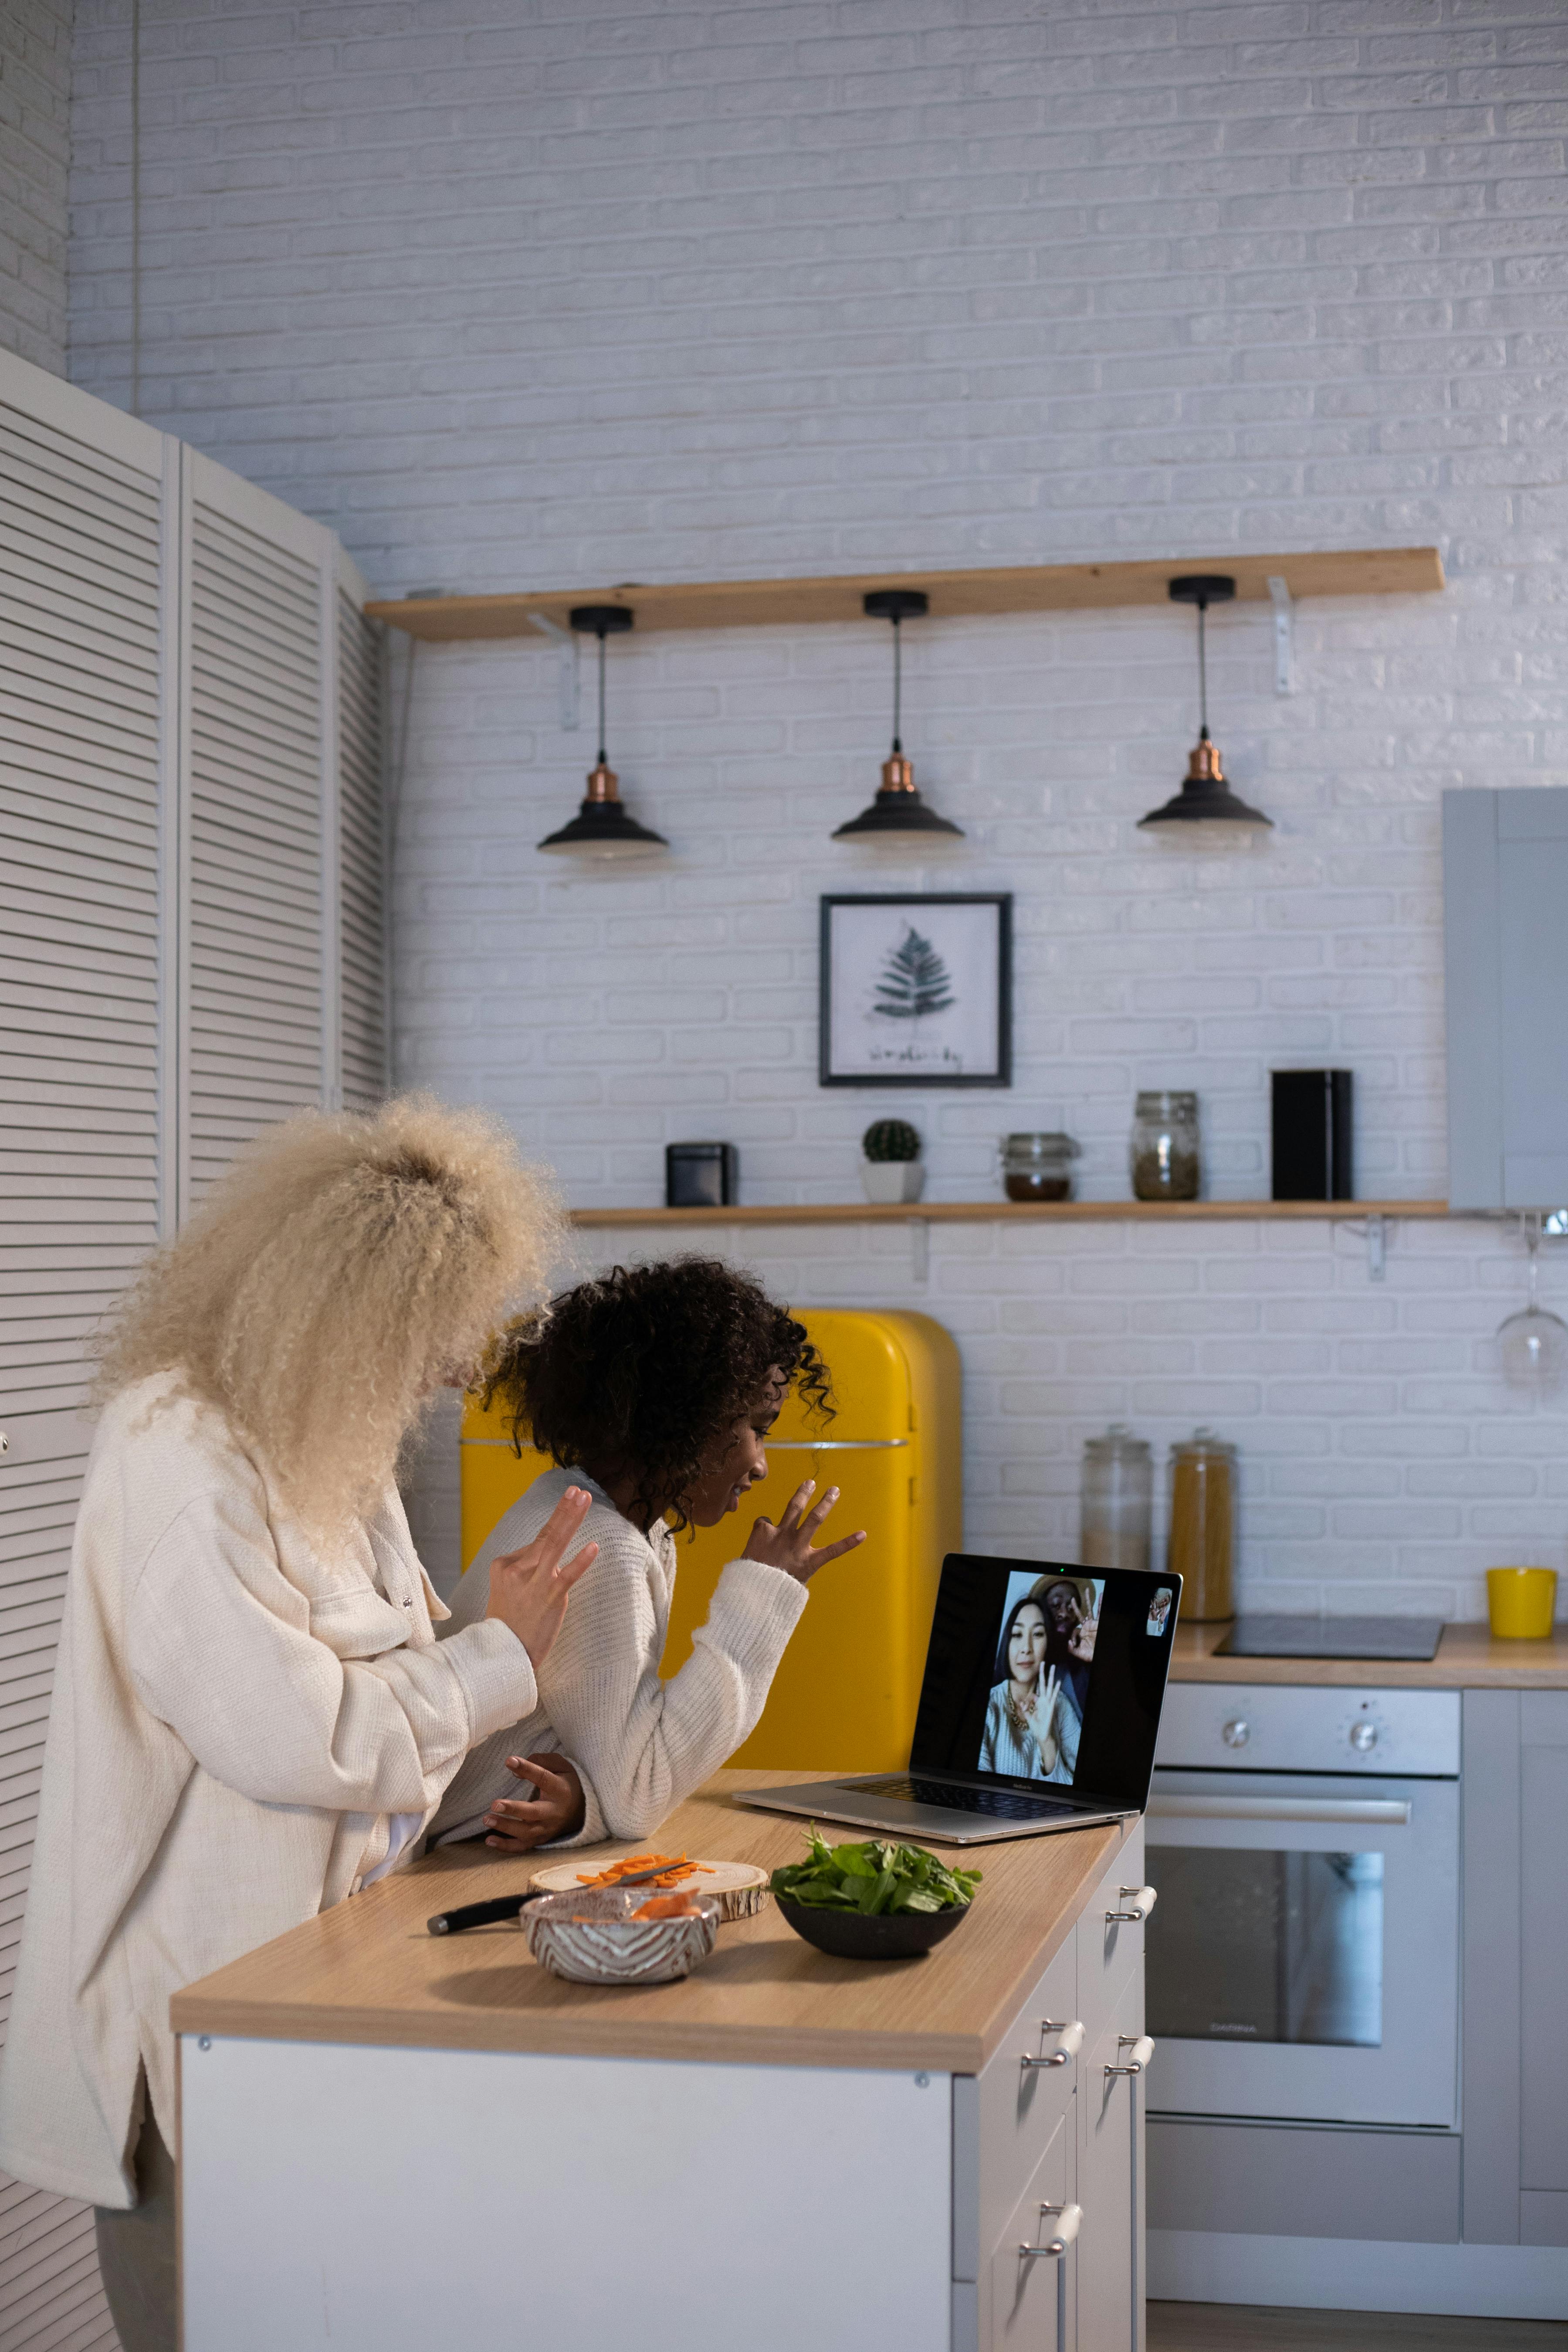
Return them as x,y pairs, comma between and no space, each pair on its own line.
1202,1526
1116,1500
1037,1167
1165,1147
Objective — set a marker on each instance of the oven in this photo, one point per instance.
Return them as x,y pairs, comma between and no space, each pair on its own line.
1303,1955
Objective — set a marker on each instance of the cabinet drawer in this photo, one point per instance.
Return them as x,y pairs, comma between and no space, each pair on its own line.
1110,1951
1032,2295
1004,2116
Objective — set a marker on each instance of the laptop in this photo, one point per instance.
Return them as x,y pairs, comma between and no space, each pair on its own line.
1038,1711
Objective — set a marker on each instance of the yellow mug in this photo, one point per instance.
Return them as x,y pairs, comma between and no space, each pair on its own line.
1521,1602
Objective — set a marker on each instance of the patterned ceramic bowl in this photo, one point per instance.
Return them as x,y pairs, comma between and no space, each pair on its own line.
591,1937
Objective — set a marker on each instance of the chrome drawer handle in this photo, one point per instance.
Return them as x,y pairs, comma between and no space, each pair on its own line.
1139,1902
1068,2218
1142,2050
1071,2043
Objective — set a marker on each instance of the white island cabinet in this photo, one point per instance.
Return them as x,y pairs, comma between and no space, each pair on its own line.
391,2140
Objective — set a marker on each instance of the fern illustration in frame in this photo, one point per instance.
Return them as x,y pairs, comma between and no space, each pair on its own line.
917,989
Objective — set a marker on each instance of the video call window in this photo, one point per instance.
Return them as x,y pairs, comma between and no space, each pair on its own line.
1039,1682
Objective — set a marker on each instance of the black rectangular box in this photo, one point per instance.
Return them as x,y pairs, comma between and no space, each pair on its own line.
1312,1125
701,1175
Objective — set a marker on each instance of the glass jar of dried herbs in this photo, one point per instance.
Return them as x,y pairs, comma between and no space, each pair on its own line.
1165,1165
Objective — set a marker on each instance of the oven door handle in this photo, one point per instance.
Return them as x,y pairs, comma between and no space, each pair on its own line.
1372,1811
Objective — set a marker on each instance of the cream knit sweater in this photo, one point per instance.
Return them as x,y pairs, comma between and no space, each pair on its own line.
640,1745
236,1716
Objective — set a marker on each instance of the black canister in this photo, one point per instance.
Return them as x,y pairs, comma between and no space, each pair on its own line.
1313,1113
701,1176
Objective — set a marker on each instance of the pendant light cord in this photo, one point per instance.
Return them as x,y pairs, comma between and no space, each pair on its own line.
604,756
898,687
1202,671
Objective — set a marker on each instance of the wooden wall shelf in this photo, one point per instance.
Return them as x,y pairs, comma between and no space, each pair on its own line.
1065,1212
1023,588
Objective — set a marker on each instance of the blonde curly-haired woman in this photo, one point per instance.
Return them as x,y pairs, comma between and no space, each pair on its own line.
251,1716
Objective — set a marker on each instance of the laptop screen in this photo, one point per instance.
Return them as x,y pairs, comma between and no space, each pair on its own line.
1040,1673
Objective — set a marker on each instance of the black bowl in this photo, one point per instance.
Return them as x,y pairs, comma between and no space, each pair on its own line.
876,1936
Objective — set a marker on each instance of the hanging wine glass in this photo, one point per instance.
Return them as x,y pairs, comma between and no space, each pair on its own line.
1533,1344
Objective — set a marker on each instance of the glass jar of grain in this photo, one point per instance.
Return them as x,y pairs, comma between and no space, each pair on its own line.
1165,1147
1202,1526
1116,1501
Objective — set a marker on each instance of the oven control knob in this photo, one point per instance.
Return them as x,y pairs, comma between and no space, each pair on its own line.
1236,1732
1363,1737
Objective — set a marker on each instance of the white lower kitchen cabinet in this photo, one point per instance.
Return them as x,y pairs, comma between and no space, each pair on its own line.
390,2140
1111,2183
1516,1932
1414,2157
1054,2151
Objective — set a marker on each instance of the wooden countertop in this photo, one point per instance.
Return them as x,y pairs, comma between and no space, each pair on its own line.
367,1971
1468,1659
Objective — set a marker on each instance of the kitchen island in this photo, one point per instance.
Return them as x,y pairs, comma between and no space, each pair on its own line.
395,2140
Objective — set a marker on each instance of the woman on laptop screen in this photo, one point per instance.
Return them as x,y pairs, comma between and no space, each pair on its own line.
1035,1716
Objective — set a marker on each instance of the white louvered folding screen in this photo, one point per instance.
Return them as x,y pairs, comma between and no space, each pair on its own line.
84,744
254,765
361,853
191,946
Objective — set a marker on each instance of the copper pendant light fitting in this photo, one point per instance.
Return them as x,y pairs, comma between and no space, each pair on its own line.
604,827
1204,797
896,807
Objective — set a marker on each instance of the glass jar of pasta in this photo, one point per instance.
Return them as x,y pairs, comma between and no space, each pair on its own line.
1202,1526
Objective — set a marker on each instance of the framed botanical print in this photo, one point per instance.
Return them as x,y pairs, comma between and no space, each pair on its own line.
916,990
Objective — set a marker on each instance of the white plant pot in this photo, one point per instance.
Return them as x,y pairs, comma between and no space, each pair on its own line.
892,1181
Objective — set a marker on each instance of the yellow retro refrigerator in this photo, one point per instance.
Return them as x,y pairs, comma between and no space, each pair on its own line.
844,1698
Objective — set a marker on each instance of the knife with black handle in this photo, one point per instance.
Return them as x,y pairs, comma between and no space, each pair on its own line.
510,1906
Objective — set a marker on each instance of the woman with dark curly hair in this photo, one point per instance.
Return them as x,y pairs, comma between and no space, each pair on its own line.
654,1387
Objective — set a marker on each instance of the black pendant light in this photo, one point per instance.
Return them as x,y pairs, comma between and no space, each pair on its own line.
1204,796
898,807
603,826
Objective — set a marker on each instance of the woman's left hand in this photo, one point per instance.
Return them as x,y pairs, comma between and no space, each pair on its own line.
787,1544
516,1824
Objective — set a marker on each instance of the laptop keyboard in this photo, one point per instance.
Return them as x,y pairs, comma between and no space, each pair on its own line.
1001,1805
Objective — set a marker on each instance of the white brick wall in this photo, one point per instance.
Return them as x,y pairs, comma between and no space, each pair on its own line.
571,295
35,158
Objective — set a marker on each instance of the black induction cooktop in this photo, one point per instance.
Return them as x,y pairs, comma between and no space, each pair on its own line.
1331,1637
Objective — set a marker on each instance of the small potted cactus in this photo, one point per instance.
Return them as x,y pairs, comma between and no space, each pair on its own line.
891,1169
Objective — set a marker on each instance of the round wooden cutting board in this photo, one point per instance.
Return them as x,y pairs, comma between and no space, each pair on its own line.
739,1886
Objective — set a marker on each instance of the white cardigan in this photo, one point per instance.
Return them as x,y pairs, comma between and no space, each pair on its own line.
640,1745
236,1716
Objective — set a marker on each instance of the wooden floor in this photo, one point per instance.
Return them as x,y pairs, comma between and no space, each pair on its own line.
1247,2327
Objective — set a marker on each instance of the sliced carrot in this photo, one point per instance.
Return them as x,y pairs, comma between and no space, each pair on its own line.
674,1867
668,1907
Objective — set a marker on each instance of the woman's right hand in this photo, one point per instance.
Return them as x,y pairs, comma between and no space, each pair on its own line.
529,1588
1047,1736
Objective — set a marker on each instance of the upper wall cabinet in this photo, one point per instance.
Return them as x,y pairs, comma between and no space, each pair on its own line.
1505,890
